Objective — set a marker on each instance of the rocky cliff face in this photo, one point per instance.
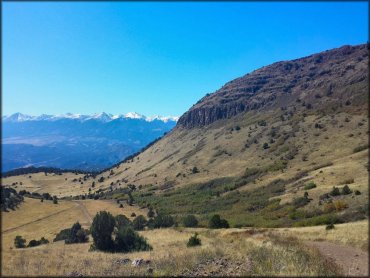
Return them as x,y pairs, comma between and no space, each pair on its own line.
326,79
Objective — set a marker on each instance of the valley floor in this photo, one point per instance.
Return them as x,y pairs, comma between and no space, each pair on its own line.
308,251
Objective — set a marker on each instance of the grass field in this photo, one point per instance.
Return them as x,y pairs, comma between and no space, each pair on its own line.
353,234
35,219
170,256
247,251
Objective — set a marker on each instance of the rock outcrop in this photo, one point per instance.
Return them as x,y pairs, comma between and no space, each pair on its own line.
328,75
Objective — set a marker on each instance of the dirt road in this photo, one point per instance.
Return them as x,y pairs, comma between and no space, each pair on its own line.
352,261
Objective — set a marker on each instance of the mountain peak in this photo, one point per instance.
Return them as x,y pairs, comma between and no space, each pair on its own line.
134,115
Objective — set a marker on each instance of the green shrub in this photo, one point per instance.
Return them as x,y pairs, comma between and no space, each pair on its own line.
139,223
216,222
195,170
190,221
300,201
194,241
34,242
309,186
335,191
44,241
163,221
127,240
122,221
346,190
19,242
76,234
262,123
330,226
101,231
357,192
62,235
150,212
324,219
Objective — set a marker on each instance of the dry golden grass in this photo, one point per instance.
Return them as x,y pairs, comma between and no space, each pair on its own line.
31,210
247,251
92,206
59,185
170,257
352,166
354,234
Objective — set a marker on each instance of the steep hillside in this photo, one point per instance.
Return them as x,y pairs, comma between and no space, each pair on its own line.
249,150
311,123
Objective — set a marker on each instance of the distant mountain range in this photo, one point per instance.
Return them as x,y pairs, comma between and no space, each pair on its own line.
103,117
75,141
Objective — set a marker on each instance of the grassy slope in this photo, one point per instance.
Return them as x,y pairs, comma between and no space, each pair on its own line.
35,219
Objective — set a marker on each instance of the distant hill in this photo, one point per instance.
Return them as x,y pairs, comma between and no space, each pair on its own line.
74,141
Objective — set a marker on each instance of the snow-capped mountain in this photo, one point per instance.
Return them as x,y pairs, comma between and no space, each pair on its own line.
103,117
76,141
18,117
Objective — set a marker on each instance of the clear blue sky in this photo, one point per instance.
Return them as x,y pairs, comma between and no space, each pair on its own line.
155,57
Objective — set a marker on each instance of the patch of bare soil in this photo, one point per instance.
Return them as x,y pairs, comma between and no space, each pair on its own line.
352,261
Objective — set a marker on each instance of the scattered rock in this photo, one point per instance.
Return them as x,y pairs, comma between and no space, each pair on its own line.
121,261
75,274
137,262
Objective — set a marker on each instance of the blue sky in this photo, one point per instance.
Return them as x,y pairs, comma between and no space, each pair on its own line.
155,57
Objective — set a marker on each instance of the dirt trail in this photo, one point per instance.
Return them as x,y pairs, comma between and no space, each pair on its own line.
352,261
84,210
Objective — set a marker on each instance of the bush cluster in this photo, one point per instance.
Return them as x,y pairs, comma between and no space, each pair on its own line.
216,222
35,242
9,198
190,221
75,234
344,191
20,242
125,237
